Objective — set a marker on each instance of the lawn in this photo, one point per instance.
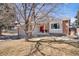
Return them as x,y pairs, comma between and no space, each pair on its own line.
22,48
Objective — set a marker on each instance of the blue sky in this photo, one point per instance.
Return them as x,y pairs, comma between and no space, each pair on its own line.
68,10
71,9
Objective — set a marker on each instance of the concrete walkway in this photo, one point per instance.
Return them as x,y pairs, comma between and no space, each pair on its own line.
65,38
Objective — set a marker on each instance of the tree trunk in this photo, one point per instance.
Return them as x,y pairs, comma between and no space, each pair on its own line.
29,34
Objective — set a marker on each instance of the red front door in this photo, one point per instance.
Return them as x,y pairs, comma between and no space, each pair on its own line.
42,28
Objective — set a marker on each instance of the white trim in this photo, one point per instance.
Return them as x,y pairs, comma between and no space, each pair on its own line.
60,30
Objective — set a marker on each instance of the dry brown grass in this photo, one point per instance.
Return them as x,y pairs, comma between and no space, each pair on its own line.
22,48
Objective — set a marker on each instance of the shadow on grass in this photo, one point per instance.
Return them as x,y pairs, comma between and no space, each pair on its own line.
38,44
12,37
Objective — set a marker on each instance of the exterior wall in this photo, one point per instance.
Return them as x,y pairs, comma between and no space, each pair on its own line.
66,24
21,30
36,30
77,31
60,30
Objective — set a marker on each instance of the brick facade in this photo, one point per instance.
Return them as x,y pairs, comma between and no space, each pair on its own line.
66,27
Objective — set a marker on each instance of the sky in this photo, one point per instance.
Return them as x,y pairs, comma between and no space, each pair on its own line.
63,10
68,10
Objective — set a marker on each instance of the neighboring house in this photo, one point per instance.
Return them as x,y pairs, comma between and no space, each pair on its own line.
73,30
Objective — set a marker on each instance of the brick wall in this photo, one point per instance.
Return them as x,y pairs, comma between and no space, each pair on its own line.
66,27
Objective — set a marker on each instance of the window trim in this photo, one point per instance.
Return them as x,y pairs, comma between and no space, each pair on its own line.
58,26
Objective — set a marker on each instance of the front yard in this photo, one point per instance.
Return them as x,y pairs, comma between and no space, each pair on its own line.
51,48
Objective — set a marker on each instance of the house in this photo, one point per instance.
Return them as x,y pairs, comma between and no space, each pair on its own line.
52,27
49,26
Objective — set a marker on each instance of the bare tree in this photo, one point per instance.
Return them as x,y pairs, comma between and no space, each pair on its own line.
31,12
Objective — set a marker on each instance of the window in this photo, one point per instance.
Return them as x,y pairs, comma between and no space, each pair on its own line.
55,26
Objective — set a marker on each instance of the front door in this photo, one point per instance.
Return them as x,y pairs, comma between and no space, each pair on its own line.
42,28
